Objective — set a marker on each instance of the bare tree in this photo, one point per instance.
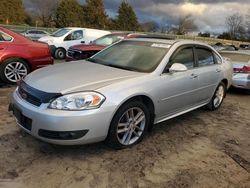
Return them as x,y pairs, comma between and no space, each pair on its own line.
44,10
185,24
235,25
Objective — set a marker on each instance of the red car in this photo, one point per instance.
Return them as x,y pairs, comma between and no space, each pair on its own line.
84,51
19,56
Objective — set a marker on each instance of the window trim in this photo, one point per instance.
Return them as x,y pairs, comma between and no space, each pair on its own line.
12,38
204,48
169,64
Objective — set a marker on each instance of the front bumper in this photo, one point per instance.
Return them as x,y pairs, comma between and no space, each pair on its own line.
92,125
241,80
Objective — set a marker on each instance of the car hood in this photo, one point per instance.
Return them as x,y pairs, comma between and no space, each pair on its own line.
85,47
76,76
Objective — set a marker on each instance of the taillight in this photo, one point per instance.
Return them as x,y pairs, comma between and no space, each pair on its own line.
244,69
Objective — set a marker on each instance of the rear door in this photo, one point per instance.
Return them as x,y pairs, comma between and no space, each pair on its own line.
209,72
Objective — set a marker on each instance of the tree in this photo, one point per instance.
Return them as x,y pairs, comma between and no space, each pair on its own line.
69,13
185,24
224,35
95,15
12,12
150,26
126,19
44,11
235,25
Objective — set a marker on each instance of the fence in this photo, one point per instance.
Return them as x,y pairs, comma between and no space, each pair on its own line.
22,28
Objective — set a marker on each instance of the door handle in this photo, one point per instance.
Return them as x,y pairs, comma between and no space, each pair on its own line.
218,70
192,76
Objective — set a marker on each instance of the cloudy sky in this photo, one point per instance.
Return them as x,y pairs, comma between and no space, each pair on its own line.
209,15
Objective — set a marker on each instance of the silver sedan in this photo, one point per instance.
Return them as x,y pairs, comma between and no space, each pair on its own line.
118,94
241,66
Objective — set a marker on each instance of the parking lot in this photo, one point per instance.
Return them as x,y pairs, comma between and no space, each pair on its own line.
199,149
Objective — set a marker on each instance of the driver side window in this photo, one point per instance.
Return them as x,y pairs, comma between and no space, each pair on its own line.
185,56
76,35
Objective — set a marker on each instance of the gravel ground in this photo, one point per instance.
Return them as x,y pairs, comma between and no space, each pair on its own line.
199,149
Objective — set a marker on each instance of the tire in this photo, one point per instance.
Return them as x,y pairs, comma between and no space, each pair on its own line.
60,53
218,97
128,133
13,69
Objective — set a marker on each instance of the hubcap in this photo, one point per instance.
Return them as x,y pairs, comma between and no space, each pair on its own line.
15,71
131,126
60,54
219,96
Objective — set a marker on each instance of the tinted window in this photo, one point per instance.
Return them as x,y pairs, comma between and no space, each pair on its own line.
5,37
185,57
132,55
205,57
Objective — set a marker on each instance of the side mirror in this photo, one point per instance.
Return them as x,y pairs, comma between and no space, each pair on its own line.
178,67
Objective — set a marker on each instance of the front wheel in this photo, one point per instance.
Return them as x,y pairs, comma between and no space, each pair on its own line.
129,125
60,53
218,97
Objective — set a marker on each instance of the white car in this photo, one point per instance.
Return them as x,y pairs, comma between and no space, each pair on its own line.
61,40
35,34
241,65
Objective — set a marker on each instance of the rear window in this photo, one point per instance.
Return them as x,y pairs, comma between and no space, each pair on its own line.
5,37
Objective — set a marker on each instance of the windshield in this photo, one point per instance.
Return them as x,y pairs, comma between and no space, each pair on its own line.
60,32
137,56
107,40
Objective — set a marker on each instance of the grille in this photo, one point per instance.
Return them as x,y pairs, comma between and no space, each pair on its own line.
29,97
35,96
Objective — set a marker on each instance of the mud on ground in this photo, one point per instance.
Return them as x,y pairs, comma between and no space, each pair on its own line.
199,149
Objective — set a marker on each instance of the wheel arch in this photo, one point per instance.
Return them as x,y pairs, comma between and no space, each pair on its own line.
146,100
22,58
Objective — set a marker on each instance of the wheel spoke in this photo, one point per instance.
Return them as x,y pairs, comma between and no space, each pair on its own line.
124,138
141,118
129,137
136,134
119,131
131,113
9,68
17,65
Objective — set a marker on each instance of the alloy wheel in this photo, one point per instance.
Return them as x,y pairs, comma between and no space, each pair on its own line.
131,126
15,71
219,95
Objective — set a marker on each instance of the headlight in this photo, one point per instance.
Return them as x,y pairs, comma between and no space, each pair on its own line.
78,101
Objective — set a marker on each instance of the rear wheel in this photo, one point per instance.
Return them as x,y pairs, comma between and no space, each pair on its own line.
60,53
218,97
129,125
13,70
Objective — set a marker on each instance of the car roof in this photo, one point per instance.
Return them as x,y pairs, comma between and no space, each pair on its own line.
166,41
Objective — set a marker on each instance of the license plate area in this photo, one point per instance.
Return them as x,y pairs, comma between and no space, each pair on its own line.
24,121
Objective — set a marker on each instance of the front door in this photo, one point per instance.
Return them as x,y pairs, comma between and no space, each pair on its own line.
179,89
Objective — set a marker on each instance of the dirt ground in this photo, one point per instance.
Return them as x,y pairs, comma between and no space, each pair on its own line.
199,149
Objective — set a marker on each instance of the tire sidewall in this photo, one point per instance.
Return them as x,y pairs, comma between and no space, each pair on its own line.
8,61
112,139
